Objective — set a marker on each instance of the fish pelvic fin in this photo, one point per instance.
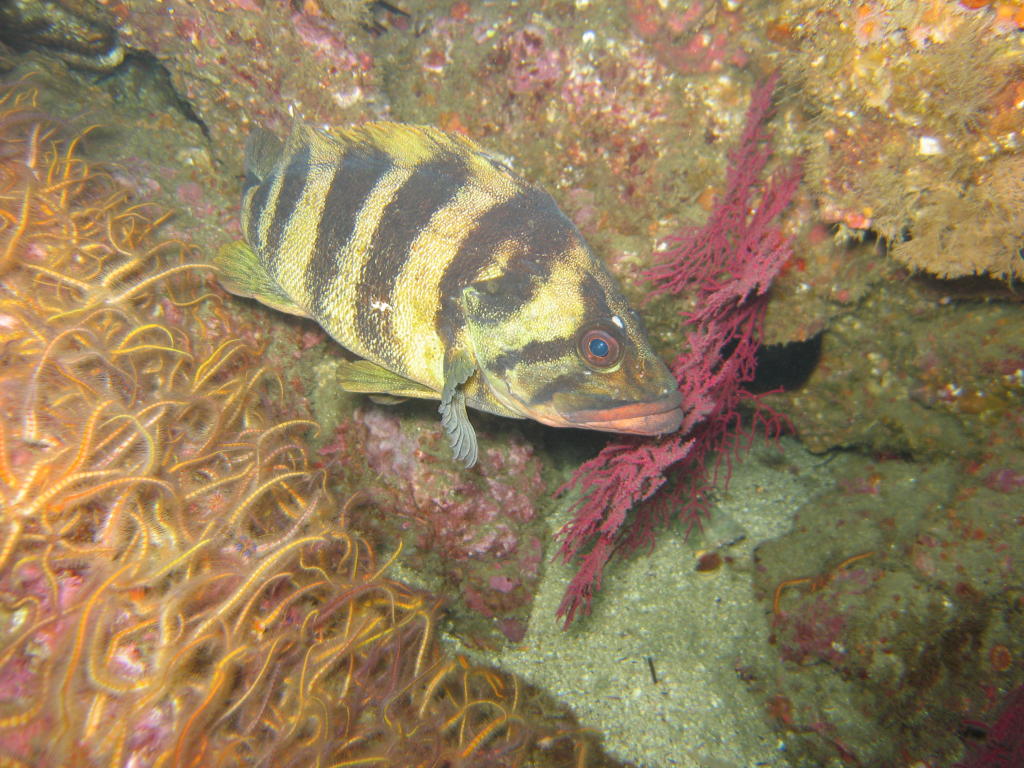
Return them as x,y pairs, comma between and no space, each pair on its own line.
458,368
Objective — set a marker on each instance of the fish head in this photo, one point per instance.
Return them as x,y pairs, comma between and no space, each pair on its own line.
559,344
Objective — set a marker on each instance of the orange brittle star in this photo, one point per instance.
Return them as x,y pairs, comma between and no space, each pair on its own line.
816,582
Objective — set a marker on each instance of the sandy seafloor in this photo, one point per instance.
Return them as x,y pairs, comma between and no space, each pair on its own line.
700,630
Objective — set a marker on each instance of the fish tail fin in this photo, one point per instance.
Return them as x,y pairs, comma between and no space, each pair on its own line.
241,273
262,149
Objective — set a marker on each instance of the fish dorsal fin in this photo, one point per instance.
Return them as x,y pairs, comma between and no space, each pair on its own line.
262,150
407,146
364,377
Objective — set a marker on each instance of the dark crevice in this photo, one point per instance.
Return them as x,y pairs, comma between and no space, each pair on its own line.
142,71
162,78
786,366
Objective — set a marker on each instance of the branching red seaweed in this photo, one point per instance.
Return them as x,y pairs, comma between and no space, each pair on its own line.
634,486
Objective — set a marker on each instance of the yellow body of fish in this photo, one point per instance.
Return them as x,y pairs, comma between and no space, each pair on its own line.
451,276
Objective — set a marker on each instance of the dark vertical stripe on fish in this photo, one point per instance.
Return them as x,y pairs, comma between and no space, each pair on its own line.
251,180
592,294
432,185
358,172
296,176
256,207
531,218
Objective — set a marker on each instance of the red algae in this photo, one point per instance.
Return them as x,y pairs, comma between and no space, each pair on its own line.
1003,745
729,263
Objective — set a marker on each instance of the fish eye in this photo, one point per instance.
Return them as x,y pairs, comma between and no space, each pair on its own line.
599,348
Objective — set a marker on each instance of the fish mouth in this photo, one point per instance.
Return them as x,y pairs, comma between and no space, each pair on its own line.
656,417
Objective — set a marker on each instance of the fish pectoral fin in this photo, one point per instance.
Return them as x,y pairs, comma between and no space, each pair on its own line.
457,370
364,377
240,272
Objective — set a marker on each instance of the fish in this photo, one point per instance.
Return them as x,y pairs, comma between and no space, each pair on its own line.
448,275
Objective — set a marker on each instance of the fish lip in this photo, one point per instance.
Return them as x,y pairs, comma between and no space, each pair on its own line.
654,417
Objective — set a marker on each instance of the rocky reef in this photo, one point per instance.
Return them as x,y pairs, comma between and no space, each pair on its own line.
159,491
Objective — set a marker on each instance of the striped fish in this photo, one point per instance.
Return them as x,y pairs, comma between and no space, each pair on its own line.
449,275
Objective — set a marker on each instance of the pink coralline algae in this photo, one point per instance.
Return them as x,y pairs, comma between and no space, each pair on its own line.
479,528
533,63
327,40
728,265
1004,741
1005,480
812,635
701,38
